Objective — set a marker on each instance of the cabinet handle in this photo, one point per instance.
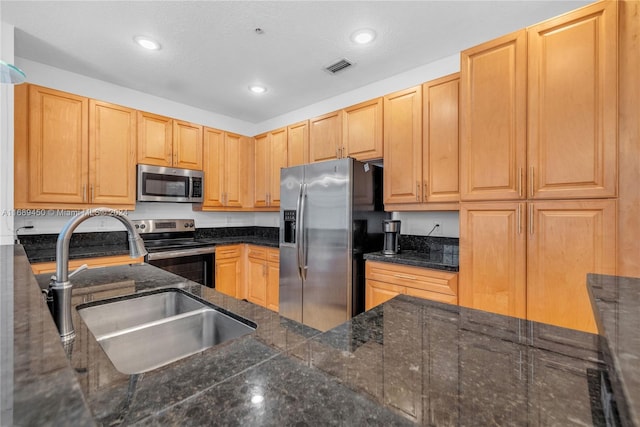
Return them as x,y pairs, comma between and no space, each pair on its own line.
426,194
92,196
337,152
404,276
84,192
530,181
519,182
519,218
417,191
531,218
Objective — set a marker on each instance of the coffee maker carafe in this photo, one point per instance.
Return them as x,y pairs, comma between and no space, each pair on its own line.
391,237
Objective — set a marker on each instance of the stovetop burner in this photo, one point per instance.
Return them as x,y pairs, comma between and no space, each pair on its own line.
167,234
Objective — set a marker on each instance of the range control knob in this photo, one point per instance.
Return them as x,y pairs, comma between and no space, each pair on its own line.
143,226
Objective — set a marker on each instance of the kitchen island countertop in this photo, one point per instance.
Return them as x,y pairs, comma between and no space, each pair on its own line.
406,361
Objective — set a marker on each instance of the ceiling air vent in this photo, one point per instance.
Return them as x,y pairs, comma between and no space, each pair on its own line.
338,66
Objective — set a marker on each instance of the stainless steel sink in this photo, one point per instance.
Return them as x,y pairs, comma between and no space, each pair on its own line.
144,332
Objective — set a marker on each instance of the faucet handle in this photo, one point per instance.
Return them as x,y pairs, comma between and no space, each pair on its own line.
78,270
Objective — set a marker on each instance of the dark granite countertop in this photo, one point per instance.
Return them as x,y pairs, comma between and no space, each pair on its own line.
414,258
406,361
616,301
47,253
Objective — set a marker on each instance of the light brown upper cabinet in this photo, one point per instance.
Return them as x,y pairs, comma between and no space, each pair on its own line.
298,143
493,119
270,157
567,73
355,132
440,142
573,104
362,131
403,146
422,147
78,151
227,166
112,154
164,141
325,137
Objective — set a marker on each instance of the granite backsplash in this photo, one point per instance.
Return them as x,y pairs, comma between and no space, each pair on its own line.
442,250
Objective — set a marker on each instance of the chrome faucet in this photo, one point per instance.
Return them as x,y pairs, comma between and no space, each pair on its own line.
59,292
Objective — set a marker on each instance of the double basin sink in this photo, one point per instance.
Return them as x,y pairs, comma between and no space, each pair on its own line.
143,332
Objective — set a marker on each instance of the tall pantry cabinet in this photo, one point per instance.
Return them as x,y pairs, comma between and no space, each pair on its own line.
539,151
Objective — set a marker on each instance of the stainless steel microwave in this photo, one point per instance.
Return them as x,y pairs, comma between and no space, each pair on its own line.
163,184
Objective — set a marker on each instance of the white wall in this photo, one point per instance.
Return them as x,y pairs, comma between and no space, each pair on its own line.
56,78
421,223
6,140
439,68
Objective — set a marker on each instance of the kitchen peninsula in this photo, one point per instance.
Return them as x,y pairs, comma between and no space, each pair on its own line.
406,361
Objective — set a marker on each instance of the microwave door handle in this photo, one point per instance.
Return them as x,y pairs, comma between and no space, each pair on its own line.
298,232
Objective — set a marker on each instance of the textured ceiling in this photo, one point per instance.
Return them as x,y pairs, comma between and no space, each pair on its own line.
211,53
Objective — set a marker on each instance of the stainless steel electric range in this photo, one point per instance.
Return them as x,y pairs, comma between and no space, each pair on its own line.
171,245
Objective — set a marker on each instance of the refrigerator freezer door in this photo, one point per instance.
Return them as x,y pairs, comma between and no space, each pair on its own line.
327,244
291,180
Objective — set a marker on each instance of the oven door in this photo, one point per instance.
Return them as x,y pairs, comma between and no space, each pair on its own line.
195,264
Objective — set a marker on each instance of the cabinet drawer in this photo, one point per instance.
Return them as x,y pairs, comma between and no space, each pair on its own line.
273,255
423,279
433,296
231,251
257,252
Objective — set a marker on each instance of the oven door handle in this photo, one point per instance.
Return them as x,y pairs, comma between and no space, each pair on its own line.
180,253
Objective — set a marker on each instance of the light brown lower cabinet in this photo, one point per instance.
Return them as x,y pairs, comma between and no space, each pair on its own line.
229,270
108,261
531,259
386,280
263,276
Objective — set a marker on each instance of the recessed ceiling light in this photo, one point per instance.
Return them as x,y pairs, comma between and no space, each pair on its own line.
147,43
257,89
363,36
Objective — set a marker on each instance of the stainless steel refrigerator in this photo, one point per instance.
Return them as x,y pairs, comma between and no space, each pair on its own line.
330,214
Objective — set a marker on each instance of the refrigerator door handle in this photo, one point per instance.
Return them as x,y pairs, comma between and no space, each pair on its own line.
303,243
298,233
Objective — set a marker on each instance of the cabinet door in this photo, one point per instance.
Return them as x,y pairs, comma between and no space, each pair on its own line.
261,185
257,281
403,146
493,119
273,286
298,144
573,104
440,140
567,240
493,257
112,158
378,292
325,137
277,161
187,145
236,170
58,144
155,136
213,166
362,130
229,274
